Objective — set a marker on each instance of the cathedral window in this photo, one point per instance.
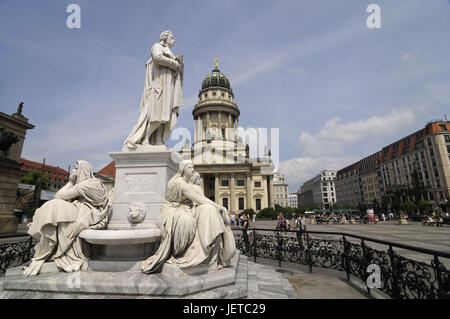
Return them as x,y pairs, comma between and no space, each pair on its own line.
241,203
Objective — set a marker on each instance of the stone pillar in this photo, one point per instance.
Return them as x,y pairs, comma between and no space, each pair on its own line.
232,196
216,188
229,127
202,182
271,192
10,169
195,129
208,121
249,190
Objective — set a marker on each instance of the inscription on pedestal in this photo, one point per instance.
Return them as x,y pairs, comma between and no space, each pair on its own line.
140,183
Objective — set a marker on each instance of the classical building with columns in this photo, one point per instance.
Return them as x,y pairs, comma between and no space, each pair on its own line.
229,176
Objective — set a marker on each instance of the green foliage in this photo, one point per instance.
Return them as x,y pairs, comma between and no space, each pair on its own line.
33,177
424,205
409,205
267,213
249,212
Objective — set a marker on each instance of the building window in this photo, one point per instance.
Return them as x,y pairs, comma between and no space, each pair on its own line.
431,152
447,138
241,203
257,184
240,182
225,202
258,204
225,182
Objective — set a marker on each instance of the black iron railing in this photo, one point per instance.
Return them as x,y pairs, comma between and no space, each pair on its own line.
399,277
14,252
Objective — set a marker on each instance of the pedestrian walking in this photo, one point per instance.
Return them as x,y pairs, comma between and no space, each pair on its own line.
244,227
233,217
281,225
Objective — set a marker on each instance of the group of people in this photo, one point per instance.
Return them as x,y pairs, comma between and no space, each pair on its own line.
434,220
298,223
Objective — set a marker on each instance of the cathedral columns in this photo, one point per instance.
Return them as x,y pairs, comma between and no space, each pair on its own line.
208,121
249,191
232,196
216,189
229,137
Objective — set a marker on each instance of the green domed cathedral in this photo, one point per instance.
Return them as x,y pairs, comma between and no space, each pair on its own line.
229,176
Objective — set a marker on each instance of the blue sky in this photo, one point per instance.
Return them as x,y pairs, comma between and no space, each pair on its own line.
337,90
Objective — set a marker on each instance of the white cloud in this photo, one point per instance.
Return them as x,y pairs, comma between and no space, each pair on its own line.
299,170
410,56
335,136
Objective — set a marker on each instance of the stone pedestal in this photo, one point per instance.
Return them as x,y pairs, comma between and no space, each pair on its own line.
140,189
141,185
9,177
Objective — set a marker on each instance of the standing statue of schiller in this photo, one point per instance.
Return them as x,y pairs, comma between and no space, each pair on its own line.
162,95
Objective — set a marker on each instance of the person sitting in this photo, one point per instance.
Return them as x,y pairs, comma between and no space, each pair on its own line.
194,229
82,203
377,219
429,221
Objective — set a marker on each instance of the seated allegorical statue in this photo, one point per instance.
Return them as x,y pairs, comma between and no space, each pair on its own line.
194,229
82,203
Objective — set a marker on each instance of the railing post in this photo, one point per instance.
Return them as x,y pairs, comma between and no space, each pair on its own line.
254,245
395,284
346,260
365,264
308,253
279,248
436,265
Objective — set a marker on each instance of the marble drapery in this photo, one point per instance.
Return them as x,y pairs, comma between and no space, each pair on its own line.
194,230
82,203
161,98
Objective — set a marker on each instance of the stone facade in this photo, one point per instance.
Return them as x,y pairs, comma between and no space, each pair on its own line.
319,191
10,171
427,152
358,183
281,190
293,200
